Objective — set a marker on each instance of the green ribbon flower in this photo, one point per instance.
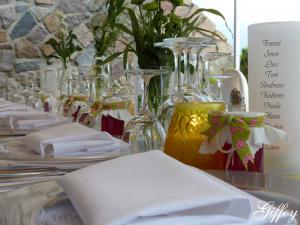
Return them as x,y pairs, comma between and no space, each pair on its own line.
240,129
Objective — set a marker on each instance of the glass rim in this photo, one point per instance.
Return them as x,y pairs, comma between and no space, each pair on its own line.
152,71
191,106
163,44
191,40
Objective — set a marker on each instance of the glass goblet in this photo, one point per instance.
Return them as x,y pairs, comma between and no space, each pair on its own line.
192,46
166,110
209,57
144,132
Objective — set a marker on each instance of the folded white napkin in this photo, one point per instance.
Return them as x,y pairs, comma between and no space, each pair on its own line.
29,120
153,189
70,139
10,106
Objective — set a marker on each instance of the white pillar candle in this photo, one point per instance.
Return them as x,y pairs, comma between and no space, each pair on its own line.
274,88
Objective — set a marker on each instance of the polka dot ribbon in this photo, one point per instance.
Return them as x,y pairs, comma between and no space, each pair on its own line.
239,129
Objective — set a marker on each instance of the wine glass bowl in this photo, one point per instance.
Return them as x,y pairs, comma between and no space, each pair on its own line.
144,131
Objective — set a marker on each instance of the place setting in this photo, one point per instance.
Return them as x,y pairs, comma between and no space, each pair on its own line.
146,113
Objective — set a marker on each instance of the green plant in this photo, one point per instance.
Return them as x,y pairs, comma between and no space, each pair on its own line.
244,62
64,42
106,33
154,21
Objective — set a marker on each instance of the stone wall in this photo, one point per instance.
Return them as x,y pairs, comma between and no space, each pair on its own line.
25,26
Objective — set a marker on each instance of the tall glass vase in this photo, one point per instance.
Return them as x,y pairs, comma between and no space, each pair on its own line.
64,74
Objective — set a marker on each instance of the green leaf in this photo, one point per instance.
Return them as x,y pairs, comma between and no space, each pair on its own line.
190,27
127,49
49,57
212,11
177,2
110,58
137,2
125,57
78,48
199,29
137,34
123,28
151,6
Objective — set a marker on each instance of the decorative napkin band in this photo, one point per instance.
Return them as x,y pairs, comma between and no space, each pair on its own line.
72,99
44,98
98,106
240,125
69,103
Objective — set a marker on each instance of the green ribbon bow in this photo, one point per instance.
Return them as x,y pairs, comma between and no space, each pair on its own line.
240,131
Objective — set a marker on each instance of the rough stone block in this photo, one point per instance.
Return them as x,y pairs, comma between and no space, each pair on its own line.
38,35
3,36
7,46
86,58
45,2
27,66
4,2
7,15
95,5
20,7
74,20
7,58
208,25
25,49
25,24
76,6
40,12
47,49
83,34
51,22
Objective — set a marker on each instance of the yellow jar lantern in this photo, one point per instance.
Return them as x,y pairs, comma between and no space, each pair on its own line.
184,136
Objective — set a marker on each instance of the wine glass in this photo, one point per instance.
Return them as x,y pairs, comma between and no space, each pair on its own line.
166,110
50,89
209,57
144,132
64,76
126,91
109,117
27,91
192,47
84,115
78,97
34,99
17,89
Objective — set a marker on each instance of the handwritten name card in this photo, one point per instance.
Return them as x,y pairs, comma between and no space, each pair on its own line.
274,87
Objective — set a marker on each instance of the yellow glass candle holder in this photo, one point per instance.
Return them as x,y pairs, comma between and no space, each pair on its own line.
184,136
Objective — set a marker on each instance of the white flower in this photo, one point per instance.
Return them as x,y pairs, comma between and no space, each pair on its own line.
167,7
99,20
59,15
62,27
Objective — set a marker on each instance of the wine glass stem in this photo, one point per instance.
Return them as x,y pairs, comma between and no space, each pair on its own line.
206,74
146,81
187,74
197,72
219,83
109,74
177,63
